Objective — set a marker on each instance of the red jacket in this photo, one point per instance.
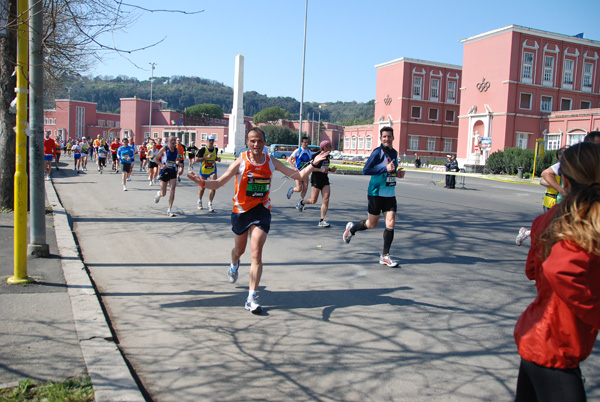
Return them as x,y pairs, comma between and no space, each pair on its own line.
559,328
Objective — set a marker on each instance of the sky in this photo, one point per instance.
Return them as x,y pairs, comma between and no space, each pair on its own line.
345,39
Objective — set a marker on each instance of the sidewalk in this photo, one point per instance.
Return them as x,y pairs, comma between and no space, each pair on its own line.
54,327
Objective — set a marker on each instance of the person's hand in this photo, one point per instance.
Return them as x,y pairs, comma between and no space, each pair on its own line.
391,167
401,173
195,178
321,157
333,169
218,159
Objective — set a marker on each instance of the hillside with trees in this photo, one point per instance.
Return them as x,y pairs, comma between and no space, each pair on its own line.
182,92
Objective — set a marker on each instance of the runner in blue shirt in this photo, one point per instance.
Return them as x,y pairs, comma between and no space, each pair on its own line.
298,160
382,166
125,155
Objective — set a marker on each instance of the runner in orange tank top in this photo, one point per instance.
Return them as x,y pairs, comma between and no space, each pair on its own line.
251,216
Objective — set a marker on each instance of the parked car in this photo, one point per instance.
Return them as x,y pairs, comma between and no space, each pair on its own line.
337,155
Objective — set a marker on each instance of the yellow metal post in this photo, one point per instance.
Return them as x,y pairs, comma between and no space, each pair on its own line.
20,256
539,145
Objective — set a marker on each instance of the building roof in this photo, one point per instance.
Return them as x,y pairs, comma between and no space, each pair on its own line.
417,61
532,31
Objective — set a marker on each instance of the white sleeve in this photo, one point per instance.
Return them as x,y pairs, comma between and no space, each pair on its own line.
555,168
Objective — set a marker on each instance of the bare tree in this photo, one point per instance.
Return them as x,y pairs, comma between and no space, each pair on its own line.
76,33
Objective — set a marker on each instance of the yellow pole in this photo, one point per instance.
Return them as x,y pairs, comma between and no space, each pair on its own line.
20,256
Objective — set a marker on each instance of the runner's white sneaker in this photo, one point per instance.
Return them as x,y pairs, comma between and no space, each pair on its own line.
387,260
290,192
300,206
124,188
324,224
523,234
347,236
252,305
210,207
157,197
233,273
199,203
170,213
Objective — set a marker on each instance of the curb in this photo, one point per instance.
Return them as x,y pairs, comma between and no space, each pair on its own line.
111,378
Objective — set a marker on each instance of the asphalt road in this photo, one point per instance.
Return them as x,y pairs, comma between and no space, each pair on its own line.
337,325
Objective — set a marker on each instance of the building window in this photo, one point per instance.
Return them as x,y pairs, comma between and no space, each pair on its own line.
415,112
546,105
447,145
450,114
527,67
433,113
522,140
565,104
368,142
586,105
548,70
79,121
215,135
413,142
568,73
353,146
575,139
111,123
451,91
102,123
347,143
361,142
431,143
117,124
203,136
525,102
435,89
417,84
588,70
552,141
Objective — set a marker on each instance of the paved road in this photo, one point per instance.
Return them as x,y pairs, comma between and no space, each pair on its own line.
337,326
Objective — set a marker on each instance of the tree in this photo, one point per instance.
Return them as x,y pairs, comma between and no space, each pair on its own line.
205,111
8,56
271,115
280,134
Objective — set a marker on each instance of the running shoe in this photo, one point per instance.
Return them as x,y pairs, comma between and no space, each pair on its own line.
290,192
179,179
252,305
210,207
149,182
387,260
124,188
523,234
347,236
233,273
170,213
324,224
101,172
300,206
157,197
199,204
47,177
128,179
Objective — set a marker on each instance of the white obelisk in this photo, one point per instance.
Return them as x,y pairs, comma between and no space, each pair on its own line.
237,128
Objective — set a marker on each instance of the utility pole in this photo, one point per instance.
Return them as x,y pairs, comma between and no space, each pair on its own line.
20,214
37,226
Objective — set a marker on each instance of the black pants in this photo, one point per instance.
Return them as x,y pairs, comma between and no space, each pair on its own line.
539,383
450,181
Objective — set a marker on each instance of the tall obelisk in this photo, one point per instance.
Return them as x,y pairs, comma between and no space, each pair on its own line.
237,128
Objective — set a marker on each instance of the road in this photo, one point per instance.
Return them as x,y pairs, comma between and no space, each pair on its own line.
337,325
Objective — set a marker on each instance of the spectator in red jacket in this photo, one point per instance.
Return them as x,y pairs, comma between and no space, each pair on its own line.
558,330
49,154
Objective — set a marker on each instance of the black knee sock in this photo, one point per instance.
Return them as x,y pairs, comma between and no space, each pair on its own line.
388,237
359,226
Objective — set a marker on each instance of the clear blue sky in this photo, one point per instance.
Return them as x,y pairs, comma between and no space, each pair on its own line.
345,39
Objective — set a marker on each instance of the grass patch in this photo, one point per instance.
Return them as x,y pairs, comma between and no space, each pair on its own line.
78,389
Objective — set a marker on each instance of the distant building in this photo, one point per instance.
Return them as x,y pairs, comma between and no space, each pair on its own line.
521,84
420,100
76,119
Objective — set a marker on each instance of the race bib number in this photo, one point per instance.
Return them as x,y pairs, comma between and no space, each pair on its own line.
171,164
391,179
209,165
257,187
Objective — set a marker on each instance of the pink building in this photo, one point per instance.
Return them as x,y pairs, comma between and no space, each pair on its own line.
420,101
522,84
77,119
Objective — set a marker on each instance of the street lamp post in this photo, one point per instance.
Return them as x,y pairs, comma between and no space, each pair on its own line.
151,84
303,62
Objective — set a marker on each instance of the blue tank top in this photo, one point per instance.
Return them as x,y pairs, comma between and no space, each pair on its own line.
170,159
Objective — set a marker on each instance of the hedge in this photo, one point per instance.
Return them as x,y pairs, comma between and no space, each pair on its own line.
509,161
